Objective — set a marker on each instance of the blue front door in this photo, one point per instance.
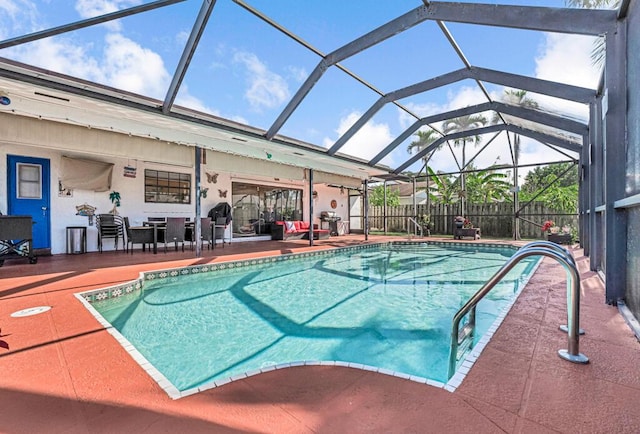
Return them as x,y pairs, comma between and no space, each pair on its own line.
28,184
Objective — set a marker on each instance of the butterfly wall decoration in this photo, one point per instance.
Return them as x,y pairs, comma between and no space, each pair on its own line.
222,193
212,178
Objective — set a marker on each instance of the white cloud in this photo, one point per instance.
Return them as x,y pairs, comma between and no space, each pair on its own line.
567,59
131,67
94,8
125,64
464,97
367,142
564,59
10,8
297,73
17,17
182,37
188,100
266,88
62,57
406,120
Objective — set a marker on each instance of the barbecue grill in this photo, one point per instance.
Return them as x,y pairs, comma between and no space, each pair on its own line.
332,220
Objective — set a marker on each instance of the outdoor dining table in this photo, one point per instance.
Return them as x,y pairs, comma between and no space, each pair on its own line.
157,226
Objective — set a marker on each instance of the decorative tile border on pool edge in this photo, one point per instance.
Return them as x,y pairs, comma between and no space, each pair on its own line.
130,289
124,289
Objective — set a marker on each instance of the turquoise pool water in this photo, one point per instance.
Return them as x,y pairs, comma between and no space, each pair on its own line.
389,307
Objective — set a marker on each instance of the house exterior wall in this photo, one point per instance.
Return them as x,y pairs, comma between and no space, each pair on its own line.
52,140
421,199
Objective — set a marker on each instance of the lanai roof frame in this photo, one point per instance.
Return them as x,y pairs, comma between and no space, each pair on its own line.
609,101
525,17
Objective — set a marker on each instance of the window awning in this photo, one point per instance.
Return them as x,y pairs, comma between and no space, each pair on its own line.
80,174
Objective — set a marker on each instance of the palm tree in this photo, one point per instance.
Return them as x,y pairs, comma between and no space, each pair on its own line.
487,186
464,123
444,186
425,138
518,98
599,49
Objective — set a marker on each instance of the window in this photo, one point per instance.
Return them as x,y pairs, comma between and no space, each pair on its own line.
29,181
167,187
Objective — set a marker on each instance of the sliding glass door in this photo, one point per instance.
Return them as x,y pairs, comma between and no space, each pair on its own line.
256,206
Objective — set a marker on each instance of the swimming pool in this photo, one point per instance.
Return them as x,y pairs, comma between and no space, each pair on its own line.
385,307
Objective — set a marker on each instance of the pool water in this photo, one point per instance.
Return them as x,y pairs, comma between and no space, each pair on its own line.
389,307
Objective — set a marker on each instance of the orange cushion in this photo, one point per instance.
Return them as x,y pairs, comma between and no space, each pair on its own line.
303,226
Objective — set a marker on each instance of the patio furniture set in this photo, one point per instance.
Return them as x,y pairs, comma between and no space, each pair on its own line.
296,230
158,230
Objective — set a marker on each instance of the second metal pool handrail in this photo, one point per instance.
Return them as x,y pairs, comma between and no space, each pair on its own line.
569,257
416,224
573,302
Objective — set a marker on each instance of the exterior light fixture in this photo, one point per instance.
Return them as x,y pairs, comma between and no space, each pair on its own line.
4,99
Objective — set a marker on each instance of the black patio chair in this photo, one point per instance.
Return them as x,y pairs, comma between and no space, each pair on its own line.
206,232
174,232
142,235
110,226
219,230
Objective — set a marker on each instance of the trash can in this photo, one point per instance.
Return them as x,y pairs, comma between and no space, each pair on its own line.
76,240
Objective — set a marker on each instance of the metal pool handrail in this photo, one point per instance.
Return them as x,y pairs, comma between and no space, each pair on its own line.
552,246
569,256
416,224
572,354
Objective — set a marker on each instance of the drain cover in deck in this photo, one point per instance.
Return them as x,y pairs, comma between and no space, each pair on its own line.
30,311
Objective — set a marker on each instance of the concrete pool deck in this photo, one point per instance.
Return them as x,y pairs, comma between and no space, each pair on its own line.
61,372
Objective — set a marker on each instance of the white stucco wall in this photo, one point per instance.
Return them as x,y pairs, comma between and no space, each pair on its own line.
42,139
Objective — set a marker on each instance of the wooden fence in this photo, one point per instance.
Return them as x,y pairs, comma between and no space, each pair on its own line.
495,219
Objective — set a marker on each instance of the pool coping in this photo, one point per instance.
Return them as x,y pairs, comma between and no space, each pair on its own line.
87,298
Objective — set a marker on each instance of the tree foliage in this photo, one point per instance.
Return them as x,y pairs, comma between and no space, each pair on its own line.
442,188
562,195
539,177
376,196
598,50
487,186
425,138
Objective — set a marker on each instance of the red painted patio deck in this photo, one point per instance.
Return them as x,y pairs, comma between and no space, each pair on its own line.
61,372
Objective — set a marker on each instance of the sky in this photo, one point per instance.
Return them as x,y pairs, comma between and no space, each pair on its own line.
247,71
